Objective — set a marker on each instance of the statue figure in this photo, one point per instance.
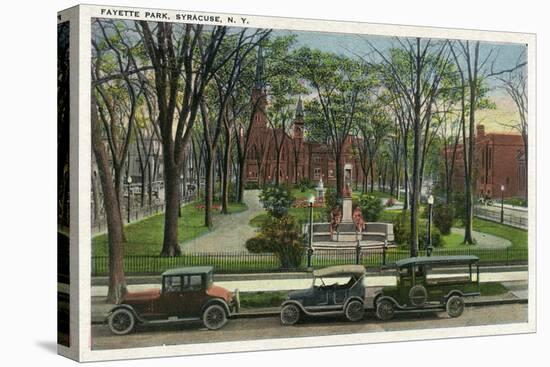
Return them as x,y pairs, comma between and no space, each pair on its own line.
347,183
335,219
358,220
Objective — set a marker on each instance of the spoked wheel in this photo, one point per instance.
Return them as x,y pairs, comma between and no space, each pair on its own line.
290,314
214,317
455,306
385,310
355,311
122,322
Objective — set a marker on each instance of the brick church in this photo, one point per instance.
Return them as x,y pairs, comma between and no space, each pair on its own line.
299,158
500,161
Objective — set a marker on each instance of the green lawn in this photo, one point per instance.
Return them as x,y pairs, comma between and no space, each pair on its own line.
517,236
302,195
145,237
301,214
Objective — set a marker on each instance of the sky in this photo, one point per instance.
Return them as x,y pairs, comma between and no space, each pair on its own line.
505,56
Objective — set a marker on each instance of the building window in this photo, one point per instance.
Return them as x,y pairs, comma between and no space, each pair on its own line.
316,173
316,159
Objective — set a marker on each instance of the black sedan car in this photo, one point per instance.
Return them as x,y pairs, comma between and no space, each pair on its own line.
336,290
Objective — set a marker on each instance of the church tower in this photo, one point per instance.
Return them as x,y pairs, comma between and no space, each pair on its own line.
298,125
259,95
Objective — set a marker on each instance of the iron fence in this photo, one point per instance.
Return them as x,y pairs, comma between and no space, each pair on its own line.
495,216
244,262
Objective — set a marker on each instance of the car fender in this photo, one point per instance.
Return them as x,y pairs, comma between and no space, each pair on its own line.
454,292
354,298
294,302
127,307
218,301
391,299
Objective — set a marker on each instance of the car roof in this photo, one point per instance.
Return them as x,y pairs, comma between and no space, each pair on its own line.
422,260
340,270
189,270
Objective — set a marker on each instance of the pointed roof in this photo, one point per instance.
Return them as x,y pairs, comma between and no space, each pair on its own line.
299,108
259,83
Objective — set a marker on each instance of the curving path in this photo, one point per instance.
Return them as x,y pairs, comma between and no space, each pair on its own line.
485,240
230,231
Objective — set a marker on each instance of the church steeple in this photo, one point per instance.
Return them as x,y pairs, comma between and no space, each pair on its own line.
259,82
298,124
299,109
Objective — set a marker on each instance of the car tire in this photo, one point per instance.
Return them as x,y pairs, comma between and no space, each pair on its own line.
122,321
418,295
290,314
385,310
355,311
214,317
455,306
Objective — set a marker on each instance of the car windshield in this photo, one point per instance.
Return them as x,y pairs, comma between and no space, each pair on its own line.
333,281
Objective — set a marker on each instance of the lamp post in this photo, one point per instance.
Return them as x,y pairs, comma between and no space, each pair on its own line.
310,203
129,182
181,195
429,248
501,203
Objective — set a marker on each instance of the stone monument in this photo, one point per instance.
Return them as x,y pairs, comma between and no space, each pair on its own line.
346,199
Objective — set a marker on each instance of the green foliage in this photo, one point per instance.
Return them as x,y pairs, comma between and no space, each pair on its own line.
305,184
371,207
276,200
443,218
331,201
402,232
281,236
251,186
459,207
516,201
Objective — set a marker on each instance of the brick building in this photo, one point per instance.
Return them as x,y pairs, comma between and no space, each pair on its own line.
499,160
299,158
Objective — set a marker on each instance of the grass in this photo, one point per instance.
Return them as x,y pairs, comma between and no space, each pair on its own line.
517,236
145,237
298,194
492,289
262,299
301,215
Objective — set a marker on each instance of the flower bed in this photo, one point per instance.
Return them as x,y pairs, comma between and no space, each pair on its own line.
304,203
214,207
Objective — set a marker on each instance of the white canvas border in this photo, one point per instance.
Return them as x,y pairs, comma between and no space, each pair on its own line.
81,263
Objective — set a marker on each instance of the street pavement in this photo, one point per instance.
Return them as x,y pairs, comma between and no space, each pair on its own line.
270,327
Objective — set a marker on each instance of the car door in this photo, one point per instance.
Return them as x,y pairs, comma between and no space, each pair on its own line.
194,295
320,293
172,301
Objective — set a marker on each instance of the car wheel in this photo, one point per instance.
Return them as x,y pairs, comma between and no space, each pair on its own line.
385,310
122,321
355,311
455,306
214,317
290,314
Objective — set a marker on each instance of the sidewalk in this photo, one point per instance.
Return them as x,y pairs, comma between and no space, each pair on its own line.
302,282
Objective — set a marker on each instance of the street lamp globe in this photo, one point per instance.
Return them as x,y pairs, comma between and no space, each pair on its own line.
501,187
431,199
311,200
129,180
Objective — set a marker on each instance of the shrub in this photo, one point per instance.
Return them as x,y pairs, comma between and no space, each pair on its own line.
371,207
459,207
443,217
402,232
276,200
304,184
331,201
281,236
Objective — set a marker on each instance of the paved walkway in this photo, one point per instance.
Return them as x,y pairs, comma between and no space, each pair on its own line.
485,240
230,231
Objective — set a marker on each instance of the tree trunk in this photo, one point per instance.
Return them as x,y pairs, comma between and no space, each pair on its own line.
226,172
170,245
117,281
209,187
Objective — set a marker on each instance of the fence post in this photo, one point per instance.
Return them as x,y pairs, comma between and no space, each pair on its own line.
358,253
384,252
